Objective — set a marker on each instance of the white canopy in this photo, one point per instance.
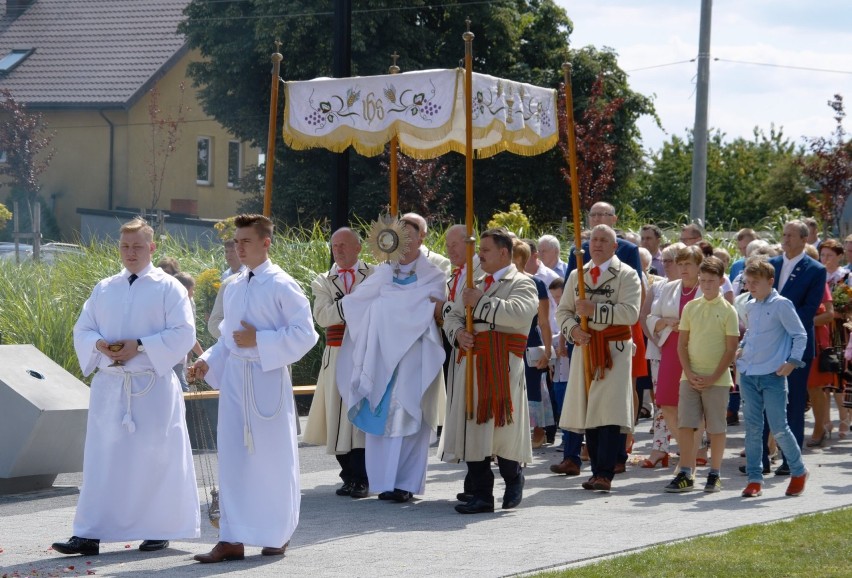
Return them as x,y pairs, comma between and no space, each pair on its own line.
425,110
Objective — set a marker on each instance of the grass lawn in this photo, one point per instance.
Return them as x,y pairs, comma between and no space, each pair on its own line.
817,545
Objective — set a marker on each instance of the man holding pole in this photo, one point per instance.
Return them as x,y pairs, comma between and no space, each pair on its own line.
504,303
603,407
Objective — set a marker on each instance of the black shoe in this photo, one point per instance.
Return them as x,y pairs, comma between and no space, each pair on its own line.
765,470
153,545
475,506
783,470
396,495
345,489
464,497
82,546
360,490
514,493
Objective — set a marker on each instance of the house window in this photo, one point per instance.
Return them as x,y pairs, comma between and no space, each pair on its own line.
2,157
204,161
13,59
235,163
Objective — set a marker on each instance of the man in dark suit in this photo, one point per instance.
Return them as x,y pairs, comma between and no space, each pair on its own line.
628,253
801,280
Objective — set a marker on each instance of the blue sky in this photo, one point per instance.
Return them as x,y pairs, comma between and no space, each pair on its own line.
799,33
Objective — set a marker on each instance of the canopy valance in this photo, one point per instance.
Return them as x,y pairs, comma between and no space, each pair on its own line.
424,110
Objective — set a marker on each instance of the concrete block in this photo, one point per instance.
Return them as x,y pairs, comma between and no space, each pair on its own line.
43,422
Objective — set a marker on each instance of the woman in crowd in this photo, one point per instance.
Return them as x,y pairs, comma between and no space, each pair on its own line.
830,255
817,380
540,336
663,322
662,437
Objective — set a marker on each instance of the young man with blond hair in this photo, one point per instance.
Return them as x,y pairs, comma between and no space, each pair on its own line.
139,477
772,347
708,333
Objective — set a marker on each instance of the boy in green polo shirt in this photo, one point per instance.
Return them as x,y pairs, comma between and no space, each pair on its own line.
709,331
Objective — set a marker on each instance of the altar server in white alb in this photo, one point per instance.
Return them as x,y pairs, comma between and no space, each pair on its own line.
138,475
397,385
267,326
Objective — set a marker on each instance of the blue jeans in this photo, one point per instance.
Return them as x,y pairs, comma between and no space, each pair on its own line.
767,394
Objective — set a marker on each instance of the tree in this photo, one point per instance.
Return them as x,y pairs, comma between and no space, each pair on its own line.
828,165
595,152
165,135
525,40
745,179
25,139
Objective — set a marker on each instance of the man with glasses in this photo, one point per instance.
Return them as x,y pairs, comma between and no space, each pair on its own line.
691,234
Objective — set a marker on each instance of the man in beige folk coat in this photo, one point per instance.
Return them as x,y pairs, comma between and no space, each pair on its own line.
504,303
328,422
602,409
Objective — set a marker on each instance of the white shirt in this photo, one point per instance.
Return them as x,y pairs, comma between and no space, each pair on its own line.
787,268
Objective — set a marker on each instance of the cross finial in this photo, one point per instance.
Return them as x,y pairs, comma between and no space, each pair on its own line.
277,45
467,21
395,56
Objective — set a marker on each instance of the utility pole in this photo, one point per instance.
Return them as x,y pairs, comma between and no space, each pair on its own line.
341,68
698,193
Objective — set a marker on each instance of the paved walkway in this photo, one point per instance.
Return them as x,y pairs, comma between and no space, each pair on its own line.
558,523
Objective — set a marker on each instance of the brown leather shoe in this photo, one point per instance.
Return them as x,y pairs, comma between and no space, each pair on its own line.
602,485
619,468
566,467
271,551
590,483
222,551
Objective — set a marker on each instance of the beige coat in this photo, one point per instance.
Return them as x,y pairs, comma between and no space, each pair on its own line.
508,307
617,296
328,423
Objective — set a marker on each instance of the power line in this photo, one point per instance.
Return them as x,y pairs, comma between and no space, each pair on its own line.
661,65
809,69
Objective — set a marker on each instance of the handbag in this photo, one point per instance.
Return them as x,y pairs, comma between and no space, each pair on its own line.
533,354
831,360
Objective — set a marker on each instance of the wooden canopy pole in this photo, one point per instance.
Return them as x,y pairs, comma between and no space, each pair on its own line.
468,221
394,159
575,204
273,122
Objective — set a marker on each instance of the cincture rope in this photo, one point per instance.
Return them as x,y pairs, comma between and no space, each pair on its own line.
127,421
250,403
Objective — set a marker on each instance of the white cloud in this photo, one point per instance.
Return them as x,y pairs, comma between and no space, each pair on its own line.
742,96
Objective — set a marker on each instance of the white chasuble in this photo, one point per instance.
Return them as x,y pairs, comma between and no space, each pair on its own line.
258,458
138,474
397,355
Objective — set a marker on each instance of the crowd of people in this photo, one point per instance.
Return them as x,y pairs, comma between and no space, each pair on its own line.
489,363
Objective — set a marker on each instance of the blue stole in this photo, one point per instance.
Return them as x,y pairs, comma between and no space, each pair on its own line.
374,421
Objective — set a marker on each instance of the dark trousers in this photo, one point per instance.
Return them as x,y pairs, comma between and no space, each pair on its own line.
605,444
352,466
574,443
797,399
481,478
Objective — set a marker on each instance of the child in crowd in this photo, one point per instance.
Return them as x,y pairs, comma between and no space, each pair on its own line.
771,348
560,360
189,284
709,331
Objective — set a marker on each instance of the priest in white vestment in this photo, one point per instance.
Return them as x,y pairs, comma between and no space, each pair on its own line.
138,474
267,326
328,420
397,385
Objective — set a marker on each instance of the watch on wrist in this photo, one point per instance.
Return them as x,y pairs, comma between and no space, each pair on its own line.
139,347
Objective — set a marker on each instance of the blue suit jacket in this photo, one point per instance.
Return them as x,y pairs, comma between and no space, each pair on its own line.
805,288
626,252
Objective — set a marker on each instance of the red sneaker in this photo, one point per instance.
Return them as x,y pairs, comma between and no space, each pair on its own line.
797,484
752,490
